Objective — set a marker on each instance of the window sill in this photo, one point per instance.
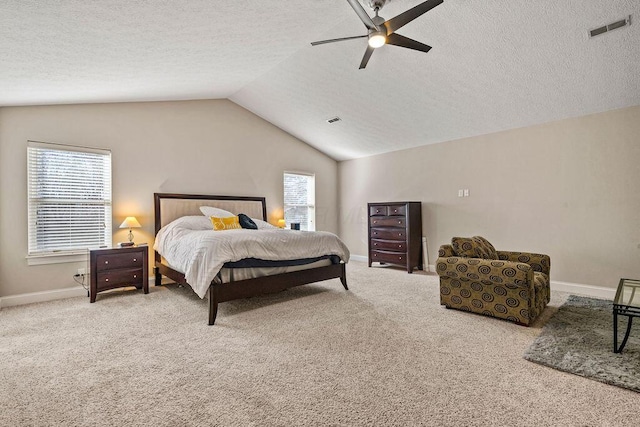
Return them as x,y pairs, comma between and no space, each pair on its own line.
57,258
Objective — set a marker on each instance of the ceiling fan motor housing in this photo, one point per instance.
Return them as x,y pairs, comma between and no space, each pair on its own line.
379,21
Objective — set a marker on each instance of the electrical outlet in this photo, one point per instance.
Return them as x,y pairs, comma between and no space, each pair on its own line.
81,271
460,193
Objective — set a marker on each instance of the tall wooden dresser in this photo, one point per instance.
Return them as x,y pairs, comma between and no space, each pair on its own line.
395,234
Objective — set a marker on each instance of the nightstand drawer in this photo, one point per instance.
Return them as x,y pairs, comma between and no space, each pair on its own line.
390,257
387,221
388,234
389,245
122,260
110,279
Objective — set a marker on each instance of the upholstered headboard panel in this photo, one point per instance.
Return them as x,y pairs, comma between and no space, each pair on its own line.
169,207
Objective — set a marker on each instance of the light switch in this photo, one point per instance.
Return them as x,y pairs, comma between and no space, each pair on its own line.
466,192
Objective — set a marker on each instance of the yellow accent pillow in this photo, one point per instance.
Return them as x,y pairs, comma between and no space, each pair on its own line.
228,223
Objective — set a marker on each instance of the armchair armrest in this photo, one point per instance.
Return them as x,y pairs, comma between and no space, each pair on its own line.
538,262
499,272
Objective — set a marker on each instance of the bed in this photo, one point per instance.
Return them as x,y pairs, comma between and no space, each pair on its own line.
170,208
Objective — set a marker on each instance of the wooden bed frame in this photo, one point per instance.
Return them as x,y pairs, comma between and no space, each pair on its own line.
176,205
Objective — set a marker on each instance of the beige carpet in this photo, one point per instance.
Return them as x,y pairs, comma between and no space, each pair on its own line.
383,353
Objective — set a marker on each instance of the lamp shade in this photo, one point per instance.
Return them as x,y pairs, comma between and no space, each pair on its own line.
281,223
130,222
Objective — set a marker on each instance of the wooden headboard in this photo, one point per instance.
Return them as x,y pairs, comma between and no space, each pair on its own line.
169,206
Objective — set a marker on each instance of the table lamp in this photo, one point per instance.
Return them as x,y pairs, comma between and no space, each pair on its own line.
129,222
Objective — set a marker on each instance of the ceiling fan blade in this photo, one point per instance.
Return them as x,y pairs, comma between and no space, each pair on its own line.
402,41
404,18
367,55
336,40
364,16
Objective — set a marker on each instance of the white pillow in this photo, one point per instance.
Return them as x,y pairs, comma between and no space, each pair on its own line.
193,222
217,212
262,225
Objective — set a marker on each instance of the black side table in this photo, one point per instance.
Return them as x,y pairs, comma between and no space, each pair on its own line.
626,303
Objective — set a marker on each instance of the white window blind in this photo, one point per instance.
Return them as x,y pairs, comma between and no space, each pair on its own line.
69,191
300,200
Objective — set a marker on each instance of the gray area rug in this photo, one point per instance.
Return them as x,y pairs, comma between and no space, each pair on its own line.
579,339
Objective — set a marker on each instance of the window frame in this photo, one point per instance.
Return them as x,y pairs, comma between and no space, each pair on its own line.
77,254
311,207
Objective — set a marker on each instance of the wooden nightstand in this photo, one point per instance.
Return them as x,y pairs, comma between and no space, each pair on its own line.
119,267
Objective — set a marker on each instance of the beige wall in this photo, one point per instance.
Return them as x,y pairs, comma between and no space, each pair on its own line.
206,147
570,189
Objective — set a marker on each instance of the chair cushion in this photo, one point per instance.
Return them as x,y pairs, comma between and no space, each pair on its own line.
473,247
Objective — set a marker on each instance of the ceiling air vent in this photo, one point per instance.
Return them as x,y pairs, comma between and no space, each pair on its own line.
334,119
609,27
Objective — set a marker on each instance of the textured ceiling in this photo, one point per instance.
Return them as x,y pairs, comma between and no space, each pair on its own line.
494,65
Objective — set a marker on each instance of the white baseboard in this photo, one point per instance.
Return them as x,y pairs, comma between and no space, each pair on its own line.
76,291
587,290
21,299
363,258
573,288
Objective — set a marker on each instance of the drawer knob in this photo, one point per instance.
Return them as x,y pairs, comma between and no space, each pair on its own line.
375,254
400,234
395,210
106,262
134,260
135,276
375,244
399,246
399,222
106,280
375,222
400,258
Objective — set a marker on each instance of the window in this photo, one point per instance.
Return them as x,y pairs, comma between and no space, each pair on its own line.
69,192
300,200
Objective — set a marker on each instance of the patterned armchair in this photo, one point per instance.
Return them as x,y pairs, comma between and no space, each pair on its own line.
475,277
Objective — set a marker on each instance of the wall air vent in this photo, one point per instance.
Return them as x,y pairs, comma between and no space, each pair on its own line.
609,27
334,119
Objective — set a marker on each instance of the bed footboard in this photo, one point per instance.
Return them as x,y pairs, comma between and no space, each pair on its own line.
221,292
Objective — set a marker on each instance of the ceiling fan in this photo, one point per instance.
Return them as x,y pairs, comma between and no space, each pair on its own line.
381,32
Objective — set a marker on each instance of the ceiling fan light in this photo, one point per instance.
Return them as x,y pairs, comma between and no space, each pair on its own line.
377,39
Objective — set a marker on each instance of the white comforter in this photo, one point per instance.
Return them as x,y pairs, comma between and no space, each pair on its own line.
189,245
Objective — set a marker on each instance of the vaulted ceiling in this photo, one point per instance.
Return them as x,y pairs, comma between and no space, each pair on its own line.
494,65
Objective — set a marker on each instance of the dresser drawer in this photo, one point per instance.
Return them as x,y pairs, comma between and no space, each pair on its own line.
388,233
389,245
377,211
116,278
123,260
397,210
390,257
387,221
